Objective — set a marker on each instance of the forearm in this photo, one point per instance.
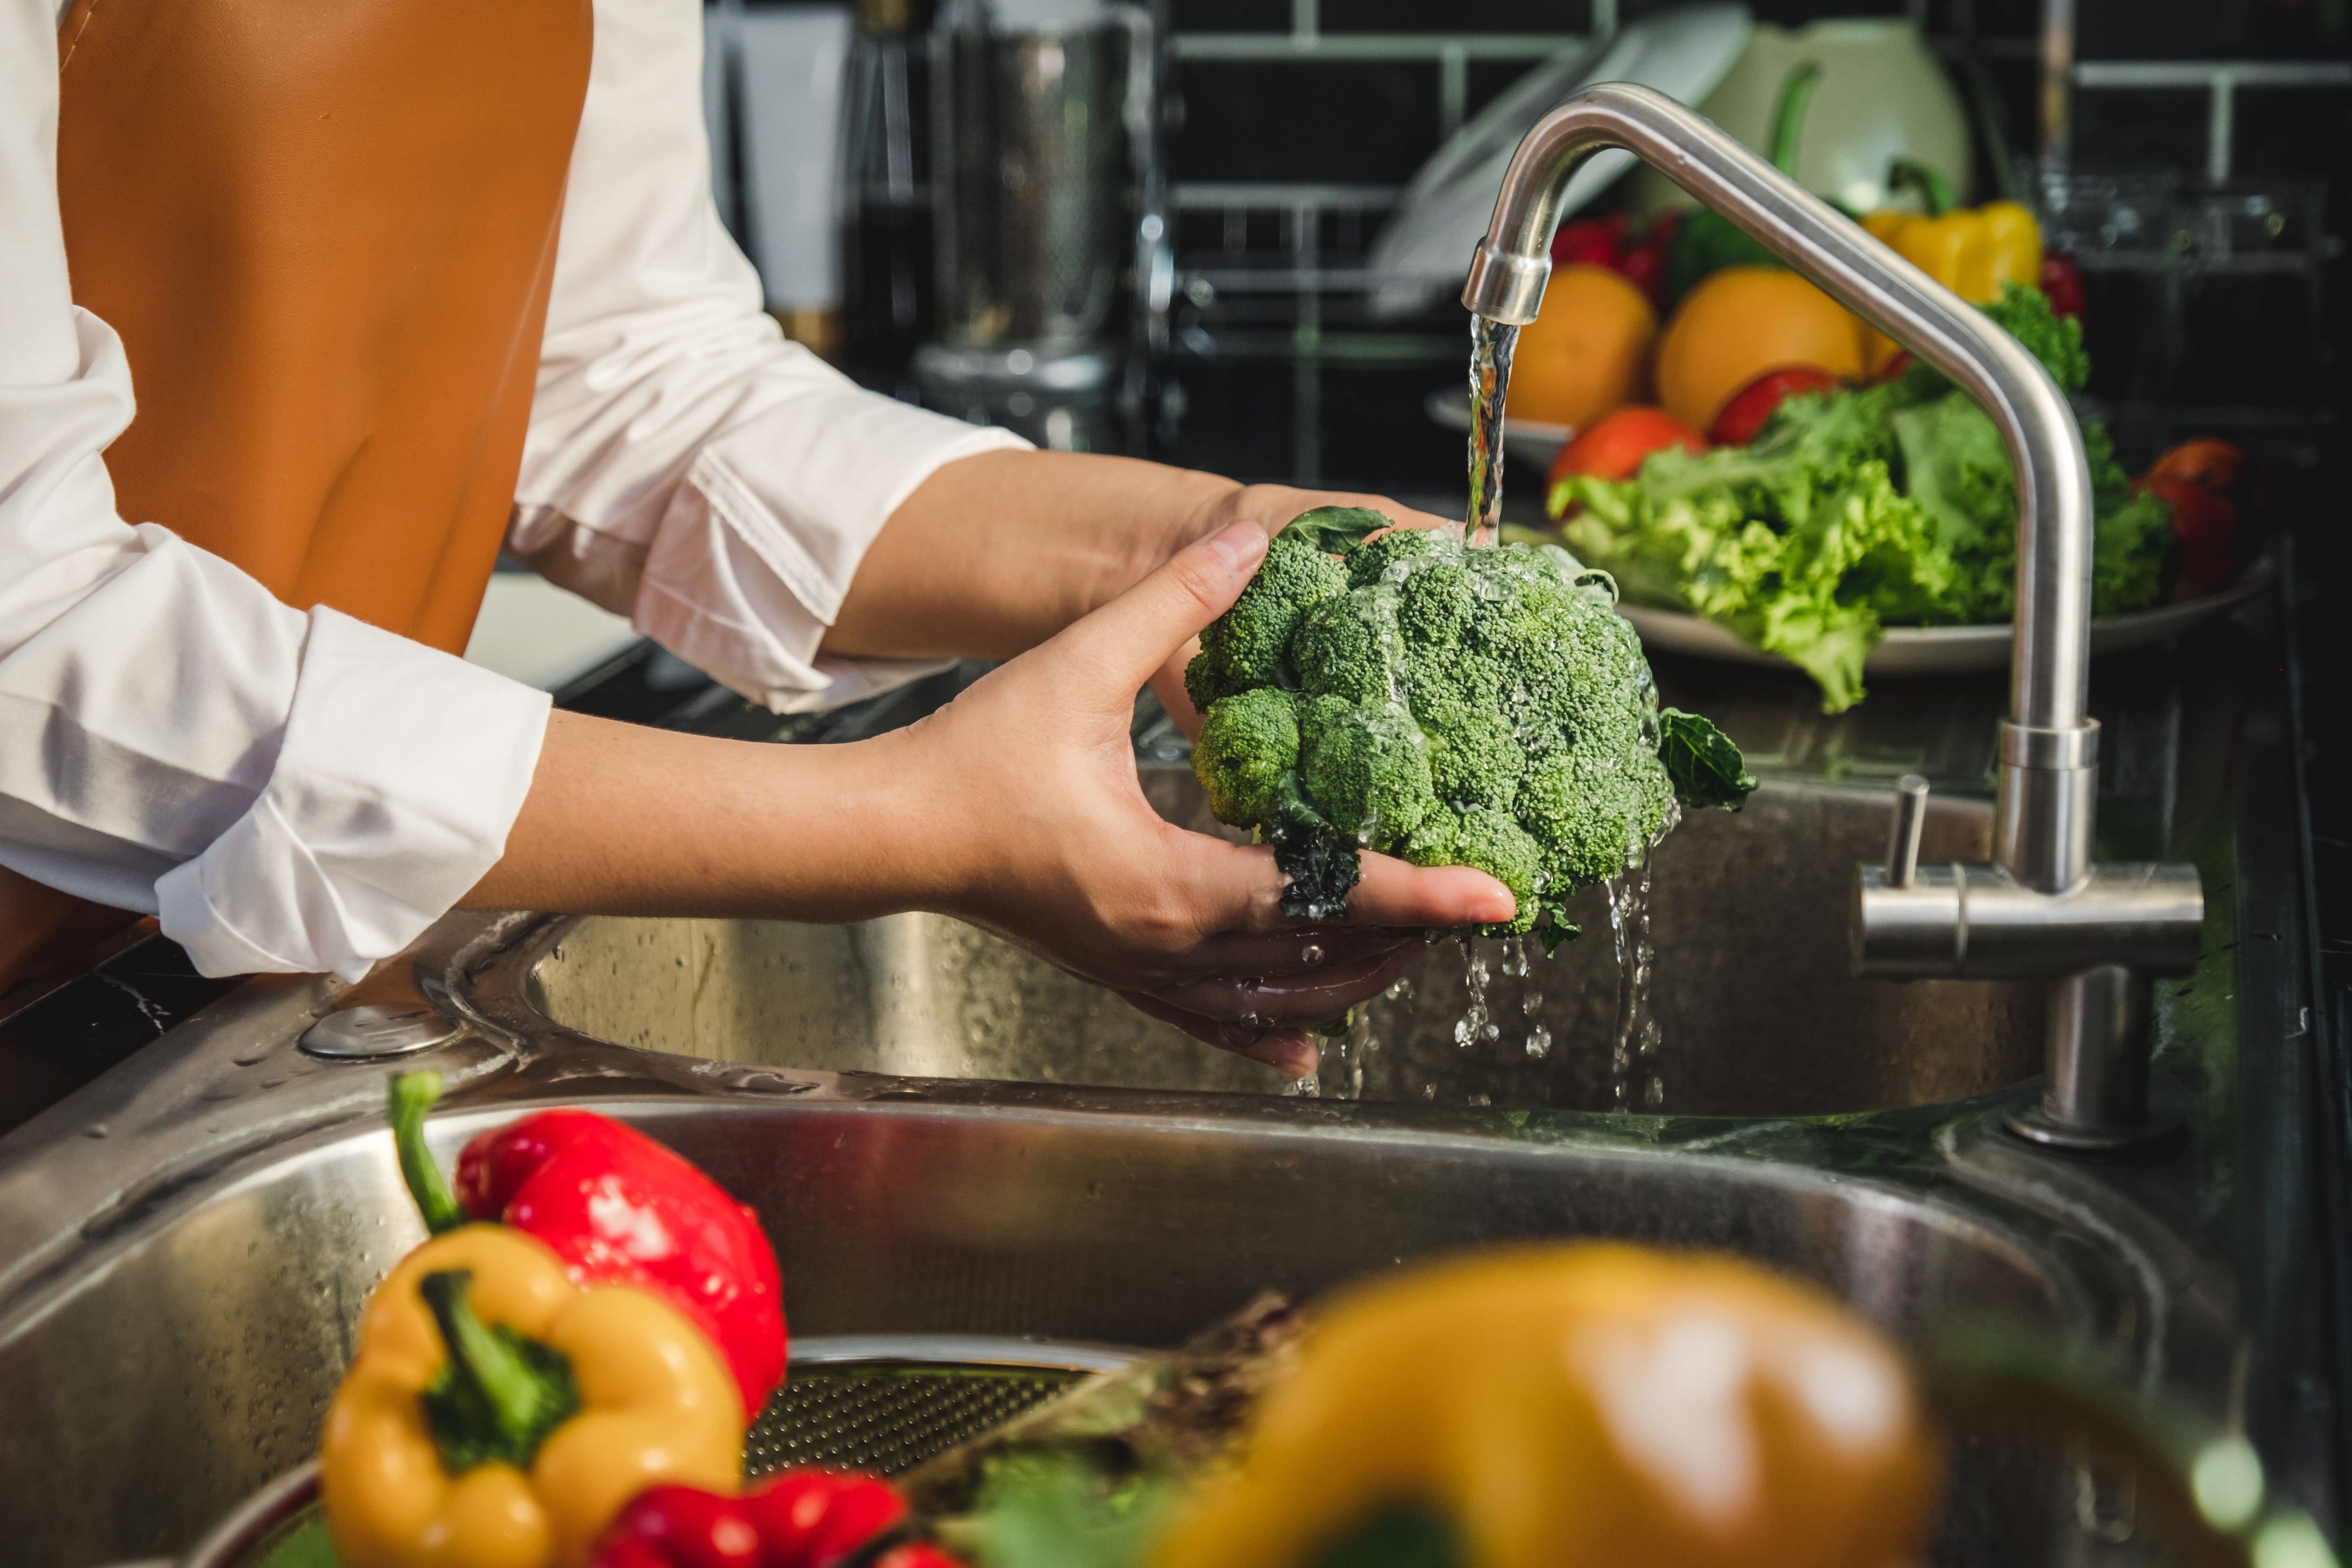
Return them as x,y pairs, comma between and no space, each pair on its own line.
623,819
994,553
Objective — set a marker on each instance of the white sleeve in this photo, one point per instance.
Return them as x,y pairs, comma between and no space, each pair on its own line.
287,792
686,466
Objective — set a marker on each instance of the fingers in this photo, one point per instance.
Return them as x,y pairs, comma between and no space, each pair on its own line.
1303,951
1288,1051
1277,1000
1132,636
1393,893
1233,889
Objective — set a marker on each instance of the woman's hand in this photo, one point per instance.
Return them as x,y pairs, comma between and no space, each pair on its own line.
995,553
1023,794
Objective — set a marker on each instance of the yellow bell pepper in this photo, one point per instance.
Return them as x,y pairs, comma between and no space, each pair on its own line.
497,1416
1582,1405
1972,252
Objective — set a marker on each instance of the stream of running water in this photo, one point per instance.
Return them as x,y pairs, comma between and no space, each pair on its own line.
1635,1035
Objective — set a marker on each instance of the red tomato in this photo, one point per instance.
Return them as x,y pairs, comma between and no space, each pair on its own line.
1614,447
2195,479
2215,464
1752,404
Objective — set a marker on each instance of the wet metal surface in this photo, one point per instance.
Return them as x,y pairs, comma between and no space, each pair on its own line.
1752,1009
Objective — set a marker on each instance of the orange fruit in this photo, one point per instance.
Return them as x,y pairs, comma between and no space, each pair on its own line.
1742,322
1588,349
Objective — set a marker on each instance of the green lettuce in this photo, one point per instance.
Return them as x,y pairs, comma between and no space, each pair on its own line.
1856,510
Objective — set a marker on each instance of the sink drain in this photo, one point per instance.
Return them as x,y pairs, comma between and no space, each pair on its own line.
889,1416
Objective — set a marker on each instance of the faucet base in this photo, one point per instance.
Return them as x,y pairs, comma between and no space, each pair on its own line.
2150,1138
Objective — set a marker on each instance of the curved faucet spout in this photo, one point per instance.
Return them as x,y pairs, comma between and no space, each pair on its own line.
2052,636
2102,940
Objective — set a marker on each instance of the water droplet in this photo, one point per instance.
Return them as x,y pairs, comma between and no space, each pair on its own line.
1538,1042
1310,955
95,1130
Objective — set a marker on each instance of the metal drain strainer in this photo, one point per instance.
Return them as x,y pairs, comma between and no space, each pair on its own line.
888,1416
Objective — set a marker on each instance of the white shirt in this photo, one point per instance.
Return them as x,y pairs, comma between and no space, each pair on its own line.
302,791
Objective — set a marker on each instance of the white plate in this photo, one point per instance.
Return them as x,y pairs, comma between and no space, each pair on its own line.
1536,441
1955,650
1426,246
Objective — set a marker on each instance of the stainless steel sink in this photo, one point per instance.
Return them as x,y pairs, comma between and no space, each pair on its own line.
184,1249
945,1137
1750,1008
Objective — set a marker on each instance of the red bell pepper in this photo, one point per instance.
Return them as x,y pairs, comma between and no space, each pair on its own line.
1595,242
1609,242
617,1207
1754,404
801,1519
2063,282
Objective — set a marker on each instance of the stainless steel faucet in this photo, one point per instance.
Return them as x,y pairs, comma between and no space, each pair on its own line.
2040,909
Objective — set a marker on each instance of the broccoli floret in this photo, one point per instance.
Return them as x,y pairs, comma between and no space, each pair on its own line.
1366,768
1495,844
1369,562
1475,758
1349,646
1456,706
1246,646
1248,744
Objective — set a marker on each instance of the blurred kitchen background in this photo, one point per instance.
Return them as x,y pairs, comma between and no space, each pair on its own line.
968,205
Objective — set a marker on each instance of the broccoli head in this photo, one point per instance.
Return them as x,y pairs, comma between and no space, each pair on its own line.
1451,705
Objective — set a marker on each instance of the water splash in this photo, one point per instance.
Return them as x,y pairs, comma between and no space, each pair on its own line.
1356,1052
1629,931
1491,343
1476,1022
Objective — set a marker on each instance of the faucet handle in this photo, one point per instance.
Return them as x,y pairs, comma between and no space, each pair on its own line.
1910,822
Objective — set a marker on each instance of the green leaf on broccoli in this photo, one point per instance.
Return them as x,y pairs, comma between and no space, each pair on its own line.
1335,530
1706,768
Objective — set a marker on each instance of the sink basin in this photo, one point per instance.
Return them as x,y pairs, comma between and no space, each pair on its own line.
946,1137
1749,1009
148,1393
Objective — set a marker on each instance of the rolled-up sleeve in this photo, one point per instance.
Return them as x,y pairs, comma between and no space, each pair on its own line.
685,465
286,791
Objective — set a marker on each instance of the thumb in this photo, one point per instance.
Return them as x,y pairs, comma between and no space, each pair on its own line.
1133,634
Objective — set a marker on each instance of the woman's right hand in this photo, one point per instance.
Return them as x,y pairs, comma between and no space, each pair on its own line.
1017,807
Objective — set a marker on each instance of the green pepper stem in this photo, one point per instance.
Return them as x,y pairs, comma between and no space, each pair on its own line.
412,1095
1789,121
1935,191
520,1398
